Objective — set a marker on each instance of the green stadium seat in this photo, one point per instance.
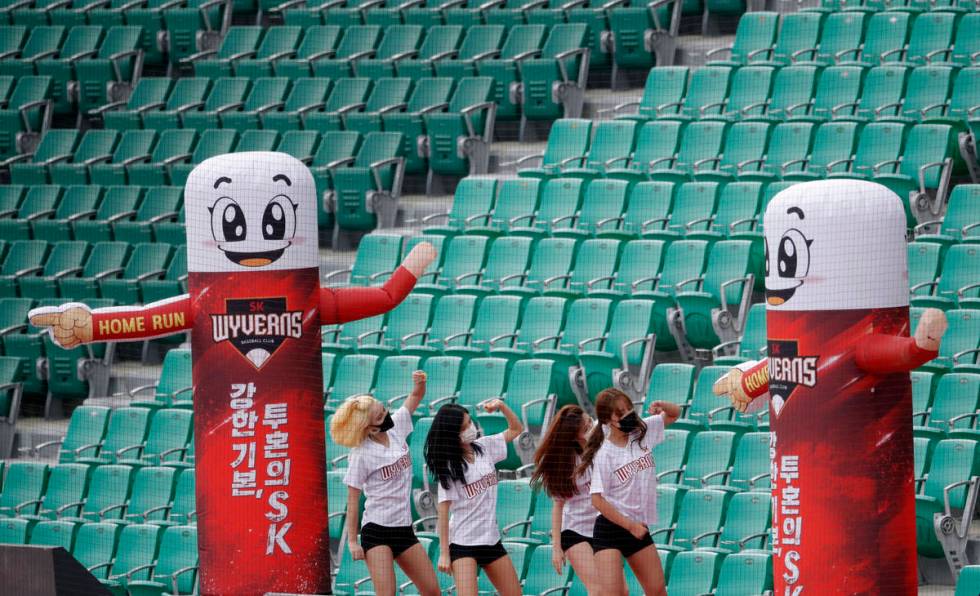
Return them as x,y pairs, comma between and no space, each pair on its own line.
649,203
95,546
928,159
108,492
541,578
266,93
451,321
928,90
43,41
348,95
959,348
745,143
747,524
25,257
595,264
745,573
612,143
923,390
702,510
695,414
884,40
10,198
543,317
497,316
694,206
148,260
923,449
53,533
277,43
319,42
959,225
703,139
399,42
465,255
755,35
750,92
833,142
967,42
166,439
67,484
879,142
127,426
105,259
184,509
161,204
226,94
176,566
969,580
80,43
12,38
472,202
405,325
665,85
238,43
707,89
66,258
569,138
956,406
626,346
523,42
306,94
349,571
797,31
932,35
95,147
175,386
359,41
186,94
40,202
669,500
953,461
152,494
23,488
842,31
629,27
671,455
348,336
388,95
77,202
468,120
14,531
355,376
134,146
752,343
135,553
479,42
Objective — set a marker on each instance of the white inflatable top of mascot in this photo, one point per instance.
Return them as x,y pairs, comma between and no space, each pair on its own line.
252,211
836,245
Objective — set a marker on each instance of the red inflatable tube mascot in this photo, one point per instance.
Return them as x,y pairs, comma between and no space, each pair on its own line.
254,309
837,384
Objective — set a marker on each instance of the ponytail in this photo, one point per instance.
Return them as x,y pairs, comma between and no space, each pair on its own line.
605,405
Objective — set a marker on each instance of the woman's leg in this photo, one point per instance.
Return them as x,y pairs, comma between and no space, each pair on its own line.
609,573
382,569
583,562
464,574
646,566
417,566
502,575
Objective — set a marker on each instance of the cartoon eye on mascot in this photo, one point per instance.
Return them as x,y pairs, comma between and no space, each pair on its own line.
255,307
837,384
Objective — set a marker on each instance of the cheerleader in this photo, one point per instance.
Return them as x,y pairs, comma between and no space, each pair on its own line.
558,470
380,466
464,465
624,491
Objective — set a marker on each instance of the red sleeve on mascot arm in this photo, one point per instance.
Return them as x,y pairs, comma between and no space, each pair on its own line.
142,322
890,354
350,304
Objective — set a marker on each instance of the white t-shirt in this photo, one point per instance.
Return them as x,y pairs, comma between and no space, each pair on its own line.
384,475
578,514
627,477
473,513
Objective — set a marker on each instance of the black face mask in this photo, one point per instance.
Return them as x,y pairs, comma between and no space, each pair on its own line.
629,422
386,424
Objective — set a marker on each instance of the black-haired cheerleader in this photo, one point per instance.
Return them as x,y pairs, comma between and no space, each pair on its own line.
379,465
624,490
464,465
557,468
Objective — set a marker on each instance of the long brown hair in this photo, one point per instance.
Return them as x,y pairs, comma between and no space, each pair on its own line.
554,461
605,405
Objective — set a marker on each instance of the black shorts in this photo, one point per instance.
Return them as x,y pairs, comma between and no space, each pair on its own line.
398,538
609,535
570,539
483,554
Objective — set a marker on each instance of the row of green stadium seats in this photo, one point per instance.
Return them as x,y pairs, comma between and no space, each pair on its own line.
913,6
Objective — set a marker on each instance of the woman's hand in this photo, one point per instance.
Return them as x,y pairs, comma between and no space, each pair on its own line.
557,559
492,405
356,552
445,565
638,530
419,377
655,408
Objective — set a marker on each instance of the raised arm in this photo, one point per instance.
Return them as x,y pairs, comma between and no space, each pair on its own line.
744,384
892,353
418,391
73,324
341,305
514,426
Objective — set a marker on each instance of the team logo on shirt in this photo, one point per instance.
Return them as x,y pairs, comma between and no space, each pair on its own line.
639,464
480,486
403,463
256,326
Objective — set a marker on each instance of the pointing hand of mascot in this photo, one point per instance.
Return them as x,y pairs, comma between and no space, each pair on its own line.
420,258
70,324
930,330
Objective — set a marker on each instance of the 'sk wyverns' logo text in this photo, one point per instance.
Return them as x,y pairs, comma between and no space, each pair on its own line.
256,326
787,370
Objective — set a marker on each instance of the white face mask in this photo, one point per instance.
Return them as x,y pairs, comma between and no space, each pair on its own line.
469,435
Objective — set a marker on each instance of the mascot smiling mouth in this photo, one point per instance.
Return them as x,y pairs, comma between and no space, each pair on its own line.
255,259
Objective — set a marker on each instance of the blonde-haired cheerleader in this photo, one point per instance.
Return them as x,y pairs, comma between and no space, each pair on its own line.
380,466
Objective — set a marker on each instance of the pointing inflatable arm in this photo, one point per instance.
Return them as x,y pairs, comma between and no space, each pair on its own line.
747,385
892,353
